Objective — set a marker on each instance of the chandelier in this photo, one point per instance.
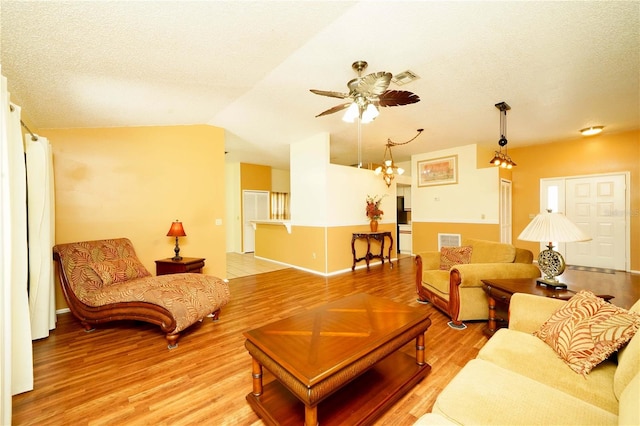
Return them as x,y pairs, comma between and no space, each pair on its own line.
500,158
388,169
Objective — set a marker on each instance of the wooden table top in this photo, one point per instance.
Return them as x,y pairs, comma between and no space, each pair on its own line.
316,344
529,286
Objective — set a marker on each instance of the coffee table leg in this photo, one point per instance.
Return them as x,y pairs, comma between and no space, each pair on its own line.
257,377
310,415
420,349
492,315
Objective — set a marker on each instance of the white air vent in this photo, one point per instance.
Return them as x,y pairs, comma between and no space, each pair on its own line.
448,240
404,77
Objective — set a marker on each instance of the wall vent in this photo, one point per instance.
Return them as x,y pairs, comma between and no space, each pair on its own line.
448,240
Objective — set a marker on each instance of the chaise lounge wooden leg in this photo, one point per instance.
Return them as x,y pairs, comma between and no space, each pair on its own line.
87,327
215,316
172,339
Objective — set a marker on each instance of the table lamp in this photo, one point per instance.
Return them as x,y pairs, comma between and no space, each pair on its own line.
551,227
176,230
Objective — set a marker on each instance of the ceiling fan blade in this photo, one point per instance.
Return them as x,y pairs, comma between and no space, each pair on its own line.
334,109
397,98
330,94
374,84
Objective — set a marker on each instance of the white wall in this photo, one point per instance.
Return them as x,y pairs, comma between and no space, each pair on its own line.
474,199
324,194
233,225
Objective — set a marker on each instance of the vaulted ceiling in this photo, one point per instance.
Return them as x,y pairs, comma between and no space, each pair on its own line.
247,66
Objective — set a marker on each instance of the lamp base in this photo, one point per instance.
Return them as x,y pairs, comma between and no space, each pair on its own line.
552,284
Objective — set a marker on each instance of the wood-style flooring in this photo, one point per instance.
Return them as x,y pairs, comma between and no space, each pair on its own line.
123,374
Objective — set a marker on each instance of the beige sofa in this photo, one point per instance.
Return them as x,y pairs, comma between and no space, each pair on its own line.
458,291
518,379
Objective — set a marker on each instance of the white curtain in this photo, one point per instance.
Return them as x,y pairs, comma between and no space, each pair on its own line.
40,211
16,357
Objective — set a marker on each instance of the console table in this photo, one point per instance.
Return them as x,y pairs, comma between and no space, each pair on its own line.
501,290
368,236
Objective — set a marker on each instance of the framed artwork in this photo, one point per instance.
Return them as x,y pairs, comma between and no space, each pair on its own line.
438,171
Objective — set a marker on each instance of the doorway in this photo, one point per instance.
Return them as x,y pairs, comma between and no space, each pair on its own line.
597,204
255,206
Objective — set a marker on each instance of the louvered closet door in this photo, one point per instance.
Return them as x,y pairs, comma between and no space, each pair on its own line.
597,205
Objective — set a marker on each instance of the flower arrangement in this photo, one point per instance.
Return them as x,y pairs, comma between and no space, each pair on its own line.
373,211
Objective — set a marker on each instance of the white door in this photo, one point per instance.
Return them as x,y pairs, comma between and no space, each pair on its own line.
505,211
597,206
255,206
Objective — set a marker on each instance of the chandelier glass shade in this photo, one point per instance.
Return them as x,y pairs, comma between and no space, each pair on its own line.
502,159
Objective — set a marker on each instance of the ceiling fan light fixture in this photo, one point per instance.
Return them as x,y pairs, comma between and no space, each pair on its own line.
370,113
351,113
590,131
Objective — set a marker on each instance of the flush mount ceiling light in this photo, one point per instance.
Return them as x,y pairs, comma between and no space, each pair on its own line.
590,131
500,158
388,169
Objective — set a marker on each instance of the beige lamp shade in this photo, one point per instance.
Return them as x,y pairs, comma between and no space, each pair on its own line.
556,227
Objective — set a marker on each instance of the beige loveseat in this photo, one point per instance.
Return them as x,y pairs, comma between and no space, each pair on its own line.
518,379
457,291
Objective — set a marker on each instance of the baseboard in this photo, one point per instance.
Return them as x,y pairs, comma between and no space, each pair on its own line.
62,311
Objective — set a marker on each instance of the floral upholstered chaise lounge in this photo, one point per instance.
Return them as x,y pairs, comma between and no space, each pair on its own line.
104,281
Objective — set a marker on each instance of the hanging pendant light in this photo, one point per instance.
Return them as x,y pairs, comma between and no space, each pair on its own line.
388,169
502,159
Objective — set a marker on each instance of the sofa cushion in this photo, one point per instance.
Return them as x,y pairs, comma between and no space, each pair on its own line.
119,270
437,280
628,360
450,256
629,410
483,393
529,356
490,251
587,329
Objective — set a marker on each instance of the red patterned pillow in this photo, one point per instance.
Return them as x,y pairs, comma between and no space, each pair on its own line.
450,256
587,329
119,270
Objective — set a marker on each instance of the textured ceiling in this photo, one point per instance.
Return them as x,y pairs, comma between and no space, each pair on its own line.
248,66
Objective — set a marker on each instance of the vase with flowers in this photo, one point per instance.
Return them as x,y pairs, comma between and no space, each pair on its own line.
373,211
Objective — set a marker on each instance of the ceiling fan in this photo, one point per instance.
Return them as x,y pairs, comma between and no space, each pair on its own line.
366,94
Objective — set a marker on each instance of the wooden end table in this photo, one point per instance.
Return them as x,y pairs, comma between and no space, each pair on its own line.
501,290
192,265
377,236
338,363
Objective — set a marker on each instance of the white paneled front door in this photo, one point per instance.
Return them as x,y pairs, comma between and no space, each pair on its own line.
597,206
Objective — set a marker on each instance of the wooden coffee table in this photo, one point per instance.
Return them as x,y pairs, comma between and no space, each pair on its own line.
501,290
338,363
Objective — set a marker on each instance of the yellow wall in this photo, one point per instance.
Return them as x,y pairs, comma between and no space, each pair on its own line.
604,153
430,230
133,182
304,248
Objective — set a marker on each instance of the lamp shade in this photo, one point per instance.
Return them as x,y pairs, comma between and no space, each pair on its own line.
550,227
176,230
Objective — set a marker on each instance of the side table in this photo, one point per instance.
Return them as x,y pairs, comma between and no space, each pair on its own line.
501,290
193,265
378,236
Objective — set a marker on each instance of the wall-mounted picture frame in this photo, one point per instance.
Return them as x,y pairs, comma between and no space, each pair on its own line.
438,171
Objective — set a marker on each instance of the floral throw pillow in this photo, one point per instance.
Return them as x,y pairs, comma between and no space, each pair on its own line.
587,329
450,256
119,270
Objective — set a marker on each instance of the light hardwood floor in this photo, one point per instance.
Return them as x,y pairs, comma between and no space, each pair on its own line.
123,374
